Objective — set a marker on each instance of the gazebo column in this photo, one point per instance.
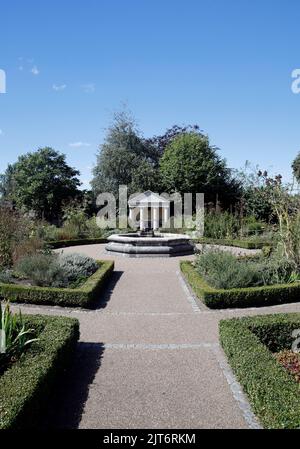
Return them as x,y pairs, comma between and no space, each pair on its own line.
143,218
166,216
131,218
155,218
130,213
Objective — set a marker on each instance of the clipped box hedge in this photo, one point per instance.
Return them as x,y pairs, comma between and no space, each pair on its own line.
272,391
75,242
73,297
26,386
239,297
245,244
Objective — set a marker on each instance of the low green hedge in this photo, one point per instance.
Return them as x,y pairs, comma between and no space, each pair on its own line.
239,297
76,297
28,383
245,244
75,242
272,391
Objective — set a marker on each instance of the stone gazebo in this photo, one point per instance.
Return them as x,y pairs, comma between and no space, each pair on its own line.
149,209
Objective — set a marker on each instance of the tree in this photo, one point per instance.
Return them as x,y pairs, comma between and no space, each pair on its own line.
296,167
125,158
256,192
161,142
190,164
40,182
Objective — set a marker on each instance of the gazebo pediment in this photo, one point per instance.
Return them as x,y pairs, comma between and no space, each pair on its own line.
148,198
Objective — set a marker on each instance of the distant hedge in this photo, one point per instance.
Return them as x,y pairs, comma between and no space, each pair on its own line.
272,391
76,297
26,386
75,242
245,244
239,297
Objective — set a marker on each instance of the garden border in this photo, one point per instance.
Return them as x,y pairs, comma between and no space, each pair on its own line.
28,383
272,391
68,297
244,244
238,297
75,242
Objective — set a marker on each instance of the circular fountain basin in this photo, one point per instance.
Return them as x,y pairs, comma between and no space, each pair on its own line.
161,245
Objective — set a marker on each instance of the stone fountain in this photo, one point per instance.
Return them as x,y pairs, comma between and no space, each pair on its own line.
148,242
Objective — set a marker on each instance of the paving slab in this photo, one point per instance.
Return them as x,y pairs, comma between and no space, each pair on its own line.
151,388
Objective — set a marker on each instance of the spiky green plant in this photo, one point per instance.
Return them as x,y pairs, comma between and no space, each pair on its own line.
14,336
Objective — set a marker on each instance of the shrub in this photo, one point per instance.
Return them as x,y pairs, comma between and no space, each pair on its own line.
46,232
52,270
27,247
221,225
75,219
77,242
15,230
250,226
27,385
250,243
290,361
272,392
76,265
43,270
6,277
82,296
92,229
223,270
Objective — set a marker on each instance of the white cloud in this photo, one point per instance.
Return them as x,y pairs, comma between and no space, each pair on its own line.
59,87
79,144
89,88
35,70
1,132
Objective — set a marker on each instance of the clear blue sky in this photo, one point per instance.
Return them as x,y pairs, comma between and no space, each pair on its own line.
225,65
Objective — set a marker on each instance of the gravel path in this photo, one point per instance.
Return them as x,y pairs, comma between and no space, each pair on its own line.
149,355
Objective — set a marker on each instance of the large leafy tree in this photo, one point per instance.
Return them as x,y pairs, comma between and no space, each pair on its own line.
125,158
161,142
40,182
190,164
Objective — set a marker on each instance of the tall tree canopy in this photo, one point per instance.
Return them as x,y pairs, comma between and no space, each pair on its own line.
190,164
161,142
125,158
40,182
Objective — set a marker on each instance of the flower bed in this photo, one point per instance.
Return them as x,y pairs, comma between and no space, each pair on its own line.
239,297
28,383
82,296
250,344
